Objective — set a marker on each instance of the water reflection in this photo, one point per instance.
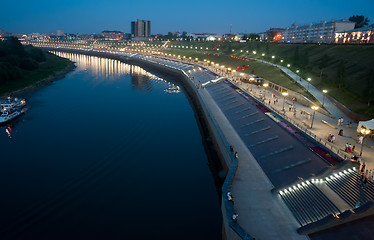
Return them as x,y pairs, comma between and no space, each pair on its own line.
103,69
8,130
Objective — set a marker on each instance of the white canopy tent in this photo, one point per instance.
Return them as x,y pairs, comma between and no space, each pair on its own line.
366,124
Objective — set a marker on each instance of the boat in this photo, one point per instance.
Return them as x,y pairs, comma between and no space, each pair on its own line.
13,103
10,114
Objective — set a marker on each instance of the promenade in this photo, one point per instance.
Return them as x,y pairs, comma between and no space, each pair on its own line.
275,158
320,129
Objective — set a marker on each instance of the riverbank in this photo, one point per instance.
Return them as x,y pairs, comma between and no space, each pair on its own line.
36,80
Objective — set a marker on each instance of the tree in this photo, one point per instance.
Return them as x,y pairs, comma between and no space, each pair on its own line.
184,36
360,20
253,37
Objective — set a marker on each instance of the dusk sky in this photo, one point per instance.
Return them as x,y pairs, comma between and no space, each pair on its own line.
91,16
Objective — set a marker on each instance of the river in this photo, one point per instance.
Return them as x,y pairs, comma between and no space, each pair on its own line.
111,151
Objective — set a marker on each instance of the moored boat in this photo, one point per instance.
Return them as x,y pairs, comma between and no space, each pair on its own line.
15,103
10,114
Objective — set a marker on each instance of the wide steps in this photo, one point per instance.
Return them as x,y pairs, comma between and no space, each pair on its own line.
347,184
307,203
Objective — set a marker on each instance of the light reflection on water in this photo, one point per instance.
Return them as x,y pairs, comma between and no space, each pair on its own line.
104,69
114,157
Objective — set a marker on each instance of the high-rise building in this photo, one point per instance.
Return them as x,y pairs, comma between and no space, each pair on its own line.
141,28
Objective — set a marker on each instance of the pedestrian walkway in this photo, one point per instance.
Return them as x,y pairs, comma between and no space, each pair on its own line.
322,124
328,105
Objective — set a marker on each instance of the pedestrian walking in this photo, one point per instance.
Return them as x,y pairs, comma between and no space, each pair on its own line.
360,139
364,182
363,167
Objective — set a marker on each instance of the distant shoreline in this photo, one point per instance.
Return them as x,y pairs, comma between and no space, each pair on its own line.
41,83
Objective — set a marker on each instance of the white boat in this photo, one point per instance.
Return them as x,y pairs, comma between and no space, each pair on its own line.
10,114
13,103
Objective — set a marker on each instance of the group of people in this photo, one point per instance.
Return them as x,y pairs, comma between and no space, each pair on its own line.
341,122
302,112
349,147
331,138
365,175
234,217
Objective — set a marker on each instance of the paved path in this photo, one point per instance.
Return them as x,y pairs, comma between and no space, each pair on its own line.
320,129
261,213
330,107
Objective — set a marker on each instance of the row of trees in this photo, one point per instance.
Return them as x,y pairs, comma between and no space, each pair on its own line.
15,59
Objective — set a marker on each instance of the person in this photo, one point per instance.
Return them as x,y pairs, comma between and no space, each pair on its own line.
363,168
231,148
346,147
360,139
333,138
234,217
353,148
236,155
341,132
229,196
364,182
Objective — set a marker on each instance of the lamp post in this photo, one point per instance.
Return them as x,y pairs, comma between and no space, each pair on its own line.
251,79
364,132
284,98
309,79
324,95
315,108
265,86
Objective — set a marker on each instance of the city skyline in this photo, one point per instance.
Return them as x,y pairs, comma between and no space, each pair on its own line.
208,16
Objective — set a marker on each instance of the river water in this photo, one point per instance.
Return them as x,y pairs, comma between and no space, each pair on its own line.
111,151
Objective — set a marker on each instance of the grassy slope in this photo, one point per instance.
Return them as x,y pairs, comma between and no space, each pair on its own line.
50,67
359,59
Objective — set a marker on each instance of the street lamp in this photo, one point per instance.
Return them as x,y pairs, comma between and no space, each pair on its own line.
265,86
309,79
251,79
324,95
364,132
284,98
315,108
